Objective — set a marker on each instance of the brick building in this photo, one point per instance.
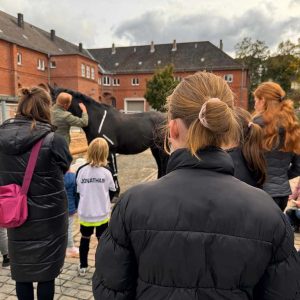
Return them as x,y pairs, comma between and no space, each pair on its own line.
125,70
32,56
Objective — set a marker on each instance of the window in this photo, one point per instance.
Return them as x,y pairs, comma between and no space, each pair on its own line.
52,64
92,73
88,72
177,78
135,81
106,80
41,65
99,80
82,70
19,58
116,81
228,77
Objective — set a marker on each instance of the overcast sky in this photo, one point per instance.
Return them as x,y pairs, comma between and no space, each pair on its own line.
99,23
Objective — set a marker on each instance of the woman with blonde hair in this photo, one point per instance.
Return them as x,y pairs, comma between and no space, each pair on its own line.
281,140
198,232
37,248
95,186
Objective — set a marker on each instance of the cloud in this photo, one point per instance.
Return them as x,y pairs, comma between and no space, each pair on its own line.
158,26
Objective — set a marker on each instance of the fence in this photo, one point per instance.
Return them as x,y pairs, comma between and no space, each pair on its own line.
7,110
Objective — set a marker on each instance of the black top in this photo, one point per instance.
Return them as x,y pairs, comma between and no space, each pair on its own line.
197,233
37,248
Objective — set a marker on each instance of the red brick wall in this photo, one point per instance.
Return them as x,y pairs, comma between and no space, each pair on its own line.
126,90
6,69
67,74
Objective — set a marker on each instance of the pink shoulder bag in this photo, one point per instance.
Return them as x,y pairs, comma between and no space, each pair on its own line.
13,198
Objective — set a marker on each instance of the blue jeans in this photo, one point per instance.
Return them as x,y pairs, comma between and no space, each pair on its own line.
294,217
3,241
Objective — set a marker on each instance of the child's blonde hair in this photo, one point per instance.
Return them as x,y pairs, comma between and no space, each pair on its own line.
97,153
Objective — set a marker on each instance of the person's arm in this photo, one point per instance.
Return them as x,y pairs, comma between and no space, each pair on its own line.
294,169
281,280
76,121
61,152
116,268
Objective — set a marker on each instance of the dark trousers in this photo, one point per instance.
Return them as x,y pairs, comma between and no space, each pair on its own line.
86,232
281,201
45,290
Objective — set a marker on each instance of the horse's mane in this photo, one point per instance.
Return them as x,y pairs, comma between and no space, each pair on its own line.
77,95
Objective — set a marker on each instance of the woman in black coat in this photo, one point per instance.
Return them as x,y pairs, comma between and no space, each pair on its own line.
281,129
36,248
198,232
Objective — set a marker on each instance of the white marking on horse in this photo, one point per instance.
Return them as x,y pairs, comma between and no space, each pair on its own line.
102,121
108,139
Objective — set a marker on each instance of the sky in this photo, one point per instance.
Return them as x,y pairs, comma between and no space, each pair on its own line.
99,23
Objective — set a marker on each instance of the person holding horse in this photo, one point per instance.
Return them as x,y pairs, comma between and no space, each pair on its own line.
196,232
63,119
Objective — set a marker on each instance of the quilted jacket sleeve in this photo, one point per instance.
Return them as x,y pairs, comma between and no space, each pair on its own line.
281,280
116,269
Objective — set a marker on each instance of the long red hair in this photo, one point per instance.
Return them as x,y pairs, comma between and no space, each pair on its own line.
278,113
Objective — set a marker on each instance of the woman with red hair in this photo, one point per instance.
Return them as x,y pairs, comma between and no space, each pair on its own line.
281,142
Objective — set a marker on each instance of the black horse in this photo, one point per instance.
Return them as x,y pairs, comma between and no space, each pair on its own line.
125,133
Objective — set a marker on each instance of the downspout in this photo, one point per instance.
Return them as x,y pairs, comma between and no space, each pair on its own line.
49,75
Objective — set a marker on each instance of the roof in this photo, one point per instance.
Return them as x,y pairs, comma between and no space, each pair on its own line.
192,56
35,38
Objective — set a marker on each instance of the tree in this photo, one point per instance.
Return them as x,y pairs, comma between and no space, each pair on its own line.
253,55
159,87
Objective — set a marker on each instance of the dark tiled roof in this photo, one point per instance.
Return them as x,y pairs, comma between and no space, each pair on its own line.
35,38
191,56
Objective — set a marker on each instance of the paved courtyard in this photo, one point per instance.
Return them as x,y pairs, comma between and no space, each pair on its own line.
69,286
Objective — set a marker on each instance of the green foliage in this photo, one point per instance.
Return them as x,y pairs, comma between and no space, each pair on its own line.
159,87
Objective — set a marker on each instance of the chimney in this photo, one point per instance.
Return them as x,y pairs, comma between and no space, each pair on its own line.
174,48
20,20
221,45
113,48
80,47
152,49
52,34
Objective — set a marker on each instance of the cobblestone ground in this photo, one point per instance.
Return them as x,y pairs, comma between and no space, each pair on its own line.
69,286
133,169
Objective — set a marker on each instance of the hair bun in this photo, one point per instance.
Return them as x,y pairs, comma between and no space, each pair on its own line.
25,91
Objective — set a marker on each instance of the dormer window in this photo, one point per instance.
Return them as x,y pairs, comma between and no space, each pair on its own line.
106,80
116,81
88,72
92,73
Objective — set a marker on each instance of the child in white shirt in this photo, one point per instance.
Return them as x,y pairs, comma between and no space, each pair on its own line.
94,184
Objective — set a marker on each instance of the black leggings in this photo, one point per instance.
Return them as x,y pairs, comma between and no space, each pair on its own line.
45,290
84,247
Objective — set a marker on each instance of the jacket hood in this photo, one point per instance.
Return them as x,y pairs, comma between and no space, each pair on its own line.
210,158
17,137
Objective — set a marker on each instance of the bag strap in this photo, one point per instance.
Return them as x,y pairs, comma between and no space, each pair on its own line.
30,166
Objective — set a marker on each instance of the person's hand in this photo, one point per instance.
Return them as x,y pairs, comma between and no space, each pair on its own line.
82,107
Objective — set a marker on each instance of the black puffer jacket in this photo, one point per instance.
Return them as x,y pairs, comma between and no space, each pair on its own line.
197,233
281,166
37,248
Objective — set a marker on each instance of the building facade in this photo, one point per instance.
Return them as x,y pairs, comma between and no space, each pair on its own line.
31,56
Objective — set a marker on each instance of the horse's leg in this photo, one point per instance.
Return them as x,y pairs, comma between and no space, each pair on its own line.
114,168
161,159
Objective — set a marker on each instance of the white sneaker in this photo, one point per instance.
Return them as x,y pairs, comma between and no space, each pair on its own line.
82,271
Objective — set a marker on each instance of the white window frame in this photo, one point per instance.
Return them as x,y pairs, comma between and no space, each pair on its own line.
82,70
99,80
116,82
52,64
106,80
19,58
92,73
88,72
135,81
41,64
228,78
